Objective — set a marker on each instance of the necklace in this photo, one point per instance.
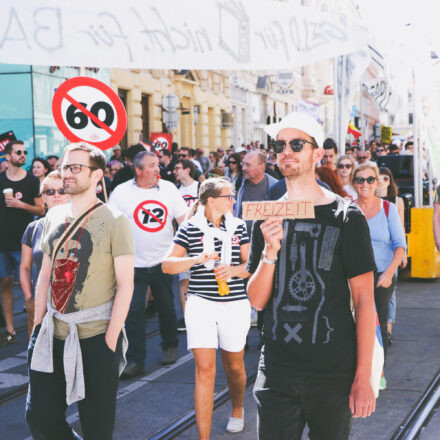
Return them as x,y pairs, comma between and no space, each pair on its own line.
68,273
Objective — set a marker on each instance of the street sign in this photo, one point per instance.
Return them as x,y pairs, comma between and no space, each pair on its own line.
86,109
170,118
161,141
170,102
4,139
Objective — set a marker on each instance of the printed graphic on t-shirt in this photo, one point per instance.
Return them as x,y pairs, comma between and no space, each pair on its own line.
70,273
189,199
18,195
306,256
150,215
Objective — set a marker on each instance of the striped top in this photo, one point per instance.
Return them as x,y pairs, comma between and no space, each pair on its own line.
202,281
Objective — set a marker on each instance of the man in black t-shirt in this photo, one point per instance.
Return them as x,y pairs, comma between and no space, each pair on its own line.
315,365
20,201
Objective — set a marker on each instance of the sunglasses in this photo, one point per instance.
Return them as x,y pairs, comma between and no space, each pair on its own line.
232,161
344,165
229,196
362,157
380,150
51,192
20,152
183,155
361,180
296,145
385,178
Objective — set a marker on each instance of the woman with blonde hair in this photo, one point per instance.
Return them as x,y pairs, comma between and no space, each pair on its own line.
217,310
345,166
53,194
387,239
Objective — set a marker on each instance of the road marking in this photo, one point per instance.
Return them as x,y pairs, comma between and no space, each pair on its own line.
8,380
11,362
144,380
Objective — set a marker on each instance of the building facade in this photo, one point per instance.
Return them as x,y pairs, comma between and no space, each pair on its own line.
203,116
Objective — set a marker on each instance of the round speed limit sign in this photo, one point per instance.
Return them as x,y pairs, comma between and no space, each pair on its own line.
86,109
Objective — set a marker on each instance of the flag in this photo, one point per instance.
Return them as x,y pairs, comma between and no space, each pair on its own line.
353,130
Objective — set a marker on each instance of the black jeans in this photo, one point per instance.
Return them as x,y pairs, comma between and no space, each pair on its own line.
162,288
46,400
286,402
382,298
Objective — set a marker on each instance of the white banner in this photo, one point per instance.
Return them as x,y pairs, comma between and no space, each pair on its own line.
172,34
384,95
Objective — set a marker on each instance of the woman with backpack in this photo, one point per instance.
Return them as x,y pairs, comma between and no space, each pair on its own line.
387,239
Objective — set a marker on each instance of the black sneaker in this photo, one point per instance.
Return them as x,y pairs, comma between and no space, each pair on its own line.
181,326
132,369
6,338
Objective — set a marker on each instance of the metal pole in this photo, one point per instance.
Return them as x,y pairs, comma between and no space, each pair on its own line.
335,101
342,109
417,198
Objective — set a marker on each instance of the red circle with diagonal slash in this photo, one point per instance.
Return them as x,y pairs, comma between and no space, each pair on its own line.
62,93
150,207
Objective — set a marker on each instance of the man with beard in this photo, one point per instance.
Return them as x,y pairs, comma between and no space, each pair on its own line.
77,347
316,363
20,201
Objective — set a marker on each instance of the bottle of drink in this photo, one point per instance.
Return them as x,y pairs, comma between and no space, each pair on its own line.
223,288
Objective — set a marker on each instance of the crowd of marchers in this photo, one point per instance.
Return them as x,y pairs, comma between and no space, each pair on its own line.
97,245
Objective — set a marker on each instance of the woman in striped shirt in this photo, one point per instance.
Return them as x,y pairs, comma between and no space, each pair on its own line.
214,317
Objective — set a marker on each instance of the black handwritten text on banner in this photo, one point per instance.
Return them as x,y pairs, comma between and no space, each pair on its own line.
213,34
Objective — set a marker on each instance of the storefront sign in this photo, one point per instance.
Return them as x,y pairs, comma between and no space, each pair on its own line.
86,109
257,34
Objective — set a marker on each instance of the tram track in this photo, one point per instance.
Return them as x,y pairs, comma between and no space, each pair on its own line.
420,414
185,421
20,390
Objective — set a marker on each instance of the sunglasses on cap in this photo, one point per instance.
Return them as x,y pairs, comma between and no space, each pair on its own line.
361,180
20,152
344,165
51,192
296,145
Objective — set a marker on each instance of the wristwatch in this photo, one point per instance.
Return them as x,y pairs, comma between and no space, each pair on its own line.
267,260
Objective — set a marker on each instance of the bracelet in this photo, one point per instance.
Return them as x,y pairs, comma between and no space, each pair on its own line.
266,260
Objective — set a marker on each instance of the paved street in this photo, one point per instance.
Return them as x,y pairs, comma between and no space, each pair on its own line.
163,394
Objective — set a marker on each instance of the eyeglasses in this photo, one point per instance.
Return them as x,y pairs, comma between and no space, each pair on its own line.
183,155
344,165
51,192
295,144
20,152
229,196
361,180
75,168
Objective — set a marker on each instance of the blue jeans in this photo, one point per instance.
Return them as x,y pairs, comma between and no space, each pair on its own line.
10,264
392,308
46,400
286,402
135,325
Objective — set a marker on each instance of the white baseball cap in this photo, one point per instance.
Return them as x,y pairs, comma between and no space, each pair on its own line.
239,149
299,121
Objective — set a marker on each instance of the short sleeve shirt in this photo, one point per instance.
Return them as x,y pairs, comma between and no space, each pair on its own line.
32,239
89,256
190,193
202,281
151,213
308,325
13,221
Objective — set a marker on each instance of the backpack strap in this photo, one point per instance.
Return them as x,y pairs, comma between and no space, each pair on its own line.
386,207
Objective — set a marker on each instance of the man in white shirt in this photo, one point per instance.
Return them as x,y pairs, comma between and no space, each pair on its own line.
151,205
184,171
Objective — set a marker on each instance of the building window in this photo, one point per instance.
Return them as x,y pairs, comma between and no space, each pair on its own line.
196,114
410,118
122,93
145,103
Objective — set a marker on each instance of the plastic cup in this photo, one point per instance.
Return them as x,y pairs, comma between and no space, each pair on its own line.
8,193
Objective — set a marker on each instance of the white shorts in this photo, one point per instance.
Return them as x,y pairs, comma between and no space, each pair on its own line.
213,323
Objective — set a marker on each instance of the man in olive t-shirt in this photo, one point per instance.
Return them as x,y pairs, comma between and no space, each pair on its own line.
88,267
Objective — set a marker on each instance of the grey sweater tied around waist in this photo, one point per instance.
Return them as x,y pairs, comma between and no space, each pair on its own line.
42,358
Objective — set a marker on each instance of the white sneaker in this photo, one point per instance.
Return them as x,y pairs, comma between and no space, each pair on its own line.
235,424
